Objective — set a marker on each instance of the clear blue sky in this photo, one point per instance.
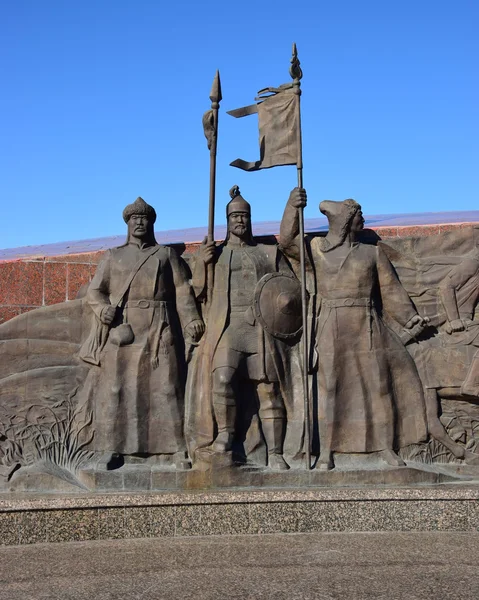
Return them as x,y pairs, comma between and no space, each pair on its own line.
102,101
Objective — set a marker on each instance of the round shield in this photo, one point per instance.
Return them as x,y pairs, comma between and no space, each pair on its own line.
277,305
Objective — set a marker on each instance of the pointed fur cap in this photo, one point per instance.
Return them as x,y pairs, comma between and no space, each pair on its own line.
237,202
343,210
340,215
139,207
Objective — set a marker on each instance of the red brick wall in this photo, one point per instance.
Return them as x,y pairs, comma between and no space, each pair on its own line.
26,284
29,283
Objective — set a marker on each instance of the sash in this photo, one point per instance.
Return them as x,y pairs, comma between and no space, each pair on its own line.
95,342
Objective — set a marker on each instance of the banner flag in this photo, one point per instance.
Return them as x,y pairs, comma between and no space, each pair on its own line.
278,128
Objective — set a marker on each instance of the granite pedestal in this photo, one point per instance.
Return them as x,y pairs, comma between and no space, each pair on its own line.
34,518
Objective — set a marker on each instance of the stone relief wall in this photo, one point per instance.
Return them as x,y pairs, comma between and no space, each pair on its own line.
31,282
150,379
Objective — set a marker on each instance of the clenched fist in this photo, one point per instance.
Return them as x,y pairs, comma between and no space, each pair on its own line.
207,251
298,198
195,330
455,326
108,314
416,325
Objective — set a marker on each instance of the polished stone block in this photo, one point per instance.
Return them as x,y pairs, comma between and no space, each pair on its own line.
77,275
111,523
8,529
27,519
71,525
162,521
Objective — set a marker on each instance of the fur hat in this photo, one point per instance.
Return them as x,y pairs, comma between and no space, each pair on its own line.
336,210
139,207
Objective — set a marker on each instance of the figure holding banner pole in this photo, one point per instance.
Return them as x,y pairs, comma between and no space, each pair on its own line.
296,73
280,143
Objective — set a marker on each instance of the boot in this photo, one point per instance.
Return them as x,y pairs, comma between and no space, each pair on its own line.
224,408
181,461
276,462
223,442
325,461
225,415
273,429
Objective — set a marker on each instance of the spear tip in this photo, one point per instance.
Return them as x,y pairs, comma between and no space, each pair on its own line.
215,94
295,68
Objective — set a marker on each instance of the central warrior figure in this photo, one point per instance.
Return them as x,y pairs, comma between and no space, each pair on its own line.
238,357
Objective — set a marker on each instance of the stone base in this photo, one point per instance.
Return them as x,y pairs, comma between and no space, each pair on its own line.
38,479
26,519
142,477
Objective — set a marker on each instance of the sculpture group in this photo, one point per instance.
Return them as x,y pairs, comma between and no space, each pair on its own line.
256,354
178,375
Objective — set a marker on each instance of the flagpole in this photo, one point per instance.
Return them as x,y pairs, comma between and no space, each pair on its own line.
296,74
211,118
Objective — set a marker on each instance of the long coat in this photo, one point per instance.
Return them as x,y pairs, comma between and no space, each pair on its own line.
370,396
280,358
137,390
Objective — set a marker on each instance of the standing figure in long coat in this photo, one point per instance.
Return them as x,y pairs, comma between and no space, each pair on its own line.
370,397
143,305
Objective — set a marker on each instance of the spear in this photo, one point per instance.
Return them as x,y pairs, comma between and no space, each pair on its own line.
296,75
210,126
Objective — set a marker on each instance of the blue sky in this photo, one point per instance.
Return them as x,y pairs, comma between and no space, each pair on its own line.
102,101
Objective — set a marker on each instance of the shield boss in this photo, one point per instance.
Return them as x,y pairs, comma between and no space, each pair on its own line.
277,305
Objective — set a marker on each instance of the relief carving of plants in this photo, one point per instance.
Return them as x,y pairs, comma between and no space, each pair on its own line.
54,434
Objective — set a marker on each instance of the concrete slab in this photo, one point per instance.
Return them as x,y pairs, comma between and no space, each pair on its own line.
333,566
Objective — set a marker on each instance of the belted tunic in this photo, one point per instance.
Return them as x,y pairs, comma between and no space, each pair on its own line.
137,390
369,393
231,325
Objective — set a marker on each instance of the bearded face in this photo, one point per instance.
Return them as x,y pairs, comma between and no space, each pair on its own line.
357,224
239,224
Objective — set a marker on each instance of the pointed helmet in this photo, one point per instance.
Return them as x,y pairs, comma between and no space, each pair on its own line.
237,202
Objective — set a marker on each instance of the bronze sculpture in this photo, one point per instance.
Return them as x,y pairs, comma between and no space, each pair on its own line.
280,143
150,382
369,393
459,296
237,350
448,360
142,301
370,398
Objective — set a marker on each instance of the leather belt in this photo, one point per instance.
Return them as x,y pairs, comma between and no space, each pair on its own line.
145,303
345,302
